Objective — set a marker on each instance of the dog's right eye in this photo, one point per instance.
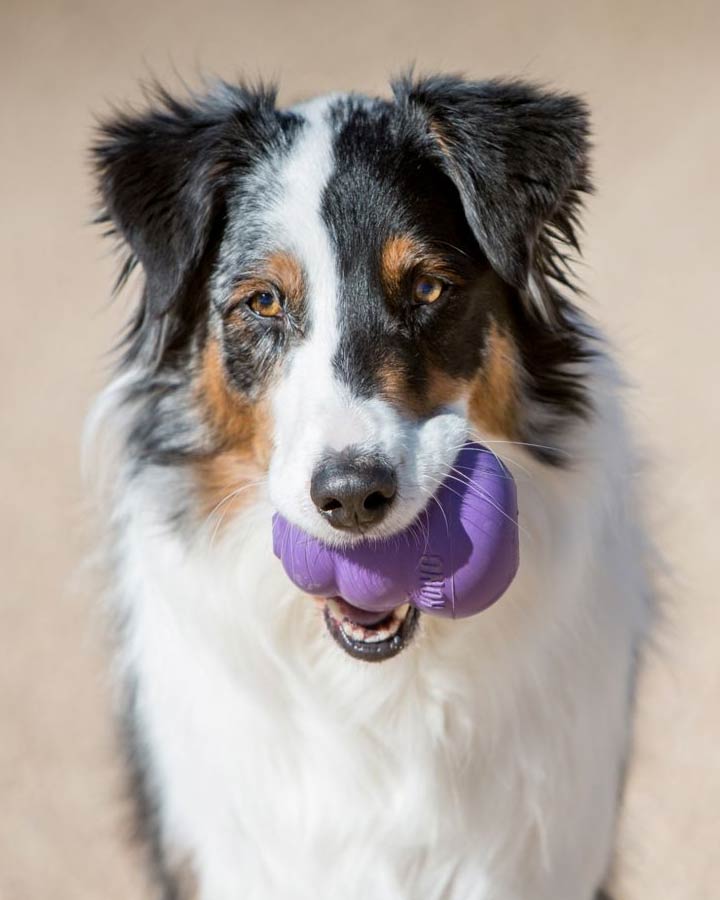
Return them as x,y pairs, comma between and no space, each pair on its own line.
428,289
266,304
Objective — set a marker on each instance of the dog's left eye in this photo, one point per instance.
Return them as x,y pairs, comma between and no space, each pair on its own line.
266,304
428,289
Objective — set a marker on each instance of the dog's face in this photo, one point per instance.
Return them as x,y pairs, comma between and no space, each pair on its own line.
339,295
363,312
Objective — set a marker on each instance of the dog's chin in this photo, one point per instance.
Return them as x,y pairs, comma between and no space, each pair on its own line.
370,637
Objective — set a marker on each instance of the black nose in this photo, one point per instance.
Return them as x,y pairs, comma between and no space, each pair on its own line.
353,491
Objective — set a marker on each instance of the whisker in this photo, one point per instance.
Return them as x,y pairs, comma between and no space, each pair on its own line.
415,530
524,444
232,494
497,456
433,496
482,496
226,499
489,450
421,526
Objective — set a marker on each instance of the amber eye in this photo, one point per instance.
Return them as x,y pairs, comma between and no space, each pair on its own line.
266,304
428,289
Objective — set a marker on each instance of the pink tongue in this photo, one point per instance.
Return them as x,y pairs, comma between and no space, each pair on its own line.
359,616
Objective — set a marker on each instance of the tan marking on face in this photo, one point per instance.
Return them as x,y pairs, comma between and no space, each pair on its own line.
443,390
288,273
439,390
494,394
241,430
281,271
400,255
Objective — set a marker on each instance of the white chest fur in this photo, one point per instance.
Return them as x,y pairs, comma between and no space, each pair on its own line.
483,762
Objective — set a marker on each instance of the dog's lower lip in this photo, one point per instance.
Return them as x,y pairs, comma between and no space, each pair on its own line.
378,637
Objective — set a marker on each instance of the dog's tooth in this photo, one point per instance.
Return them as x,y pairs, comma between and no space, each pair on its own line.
360,633
385,633
353,631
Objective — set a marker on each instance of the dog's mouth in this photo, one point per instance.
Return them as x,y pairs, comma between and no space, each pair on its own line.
373,637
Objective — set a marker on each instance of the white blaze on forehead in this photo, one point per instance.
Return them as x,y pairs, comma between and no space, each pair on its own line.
309,392
303,179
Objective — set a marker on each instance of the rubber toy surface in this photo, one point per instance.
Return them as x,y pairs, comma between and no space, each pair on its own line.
456,559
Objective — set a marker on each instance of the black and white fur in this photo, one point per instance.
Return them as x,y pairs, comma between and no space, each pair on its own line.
484,762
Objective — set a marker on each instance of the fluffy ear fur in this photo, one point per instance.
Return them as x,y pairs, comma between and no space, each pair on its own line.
518,157
162,175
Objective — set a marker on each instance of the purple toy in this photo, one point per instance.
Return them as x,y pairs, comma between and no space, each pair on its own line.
456,559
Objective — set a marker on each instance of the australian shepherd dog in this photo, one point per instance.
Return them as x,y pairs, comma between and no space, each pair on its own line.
350,279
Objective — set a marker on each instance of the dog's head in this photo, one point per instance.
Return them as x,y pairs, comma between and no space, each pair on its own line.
339,294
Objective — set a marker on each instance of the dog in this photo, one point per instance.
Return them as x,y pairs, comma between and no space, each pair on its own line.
335,297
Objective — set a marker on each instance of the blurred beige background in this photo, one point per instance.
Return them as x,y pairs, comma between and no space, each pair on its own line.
650,71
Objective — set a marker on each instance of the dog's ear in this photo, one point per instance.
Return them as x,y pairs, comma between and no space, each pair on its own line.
518,158
162,175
